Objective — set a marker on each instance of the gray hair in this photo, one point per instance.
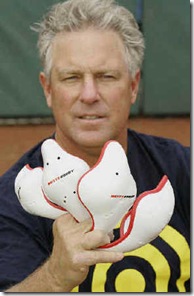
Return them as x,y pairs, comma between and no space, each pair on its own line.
76,15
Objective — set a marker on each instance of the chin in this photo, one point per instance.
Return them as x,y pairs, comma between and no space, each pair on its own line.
93,141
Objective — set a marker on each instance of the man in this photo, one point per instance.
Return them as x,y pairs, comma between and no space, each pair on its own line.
92,52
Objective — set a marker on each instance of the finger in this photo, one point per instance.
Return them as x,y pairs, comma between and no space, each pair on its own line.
63,222
68,221
65,218
86,225
111,235
106,257
95,239
93,257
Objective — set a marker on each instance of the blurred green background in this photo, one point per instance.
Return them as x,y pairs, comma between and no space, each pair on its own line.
165,86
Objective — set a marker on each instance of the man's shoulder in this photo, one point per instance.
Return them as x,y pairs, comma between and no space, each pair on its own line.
159,145
10,206
157,155
151,157
32,157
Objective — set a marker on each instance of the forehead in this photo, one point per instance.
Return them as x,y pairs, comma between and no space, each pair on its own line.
90,47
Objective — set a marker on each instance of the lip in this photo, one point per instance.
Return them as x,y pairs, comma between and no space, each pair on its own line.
90,117
91,120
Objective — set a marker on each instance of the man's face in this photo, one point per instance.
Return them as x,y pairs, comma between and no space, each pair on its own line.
90,90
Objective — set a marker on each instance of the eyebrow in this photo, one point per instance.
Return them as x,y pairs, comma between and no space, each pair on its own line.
70,71
67,71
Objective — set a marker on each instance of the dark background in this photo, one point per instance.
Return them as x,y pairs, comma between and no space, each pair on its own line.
163,106
165,85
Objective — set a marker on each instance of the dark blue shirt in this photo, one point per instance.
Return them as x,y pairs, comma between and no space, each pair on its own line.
160,266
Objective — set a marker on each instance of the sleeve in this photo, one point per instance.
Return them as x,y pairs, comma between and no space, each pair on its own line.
25,240
176,163
173,159
182,182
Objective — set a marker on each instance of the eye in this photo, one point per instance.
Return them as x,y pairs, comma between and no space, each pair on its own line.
109,77
106,77
71,78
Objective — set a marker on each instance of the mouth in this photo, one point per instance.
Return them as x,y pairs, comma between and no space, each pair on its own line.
90,117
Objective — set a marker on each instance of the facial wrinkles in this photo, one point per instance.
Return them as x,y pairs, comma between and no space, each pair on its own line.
88,96
89,47
90,61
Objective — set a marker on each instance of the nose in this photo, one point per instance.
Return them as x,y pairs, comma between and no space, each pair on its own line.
89,91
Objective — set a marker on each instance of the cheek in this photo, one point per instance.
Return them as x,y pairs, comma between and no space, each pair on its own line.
121,100
60,99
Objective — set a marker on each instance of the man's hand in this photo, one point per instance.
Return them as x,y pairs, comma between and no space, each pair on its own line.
74,250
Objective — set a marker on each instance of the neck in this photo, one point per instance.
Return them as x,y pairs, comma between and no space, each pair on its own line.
90,154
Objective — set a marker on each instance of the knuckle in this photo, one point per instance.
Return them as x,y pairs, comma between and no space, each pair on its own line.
102,237
79,261
75,260
99,235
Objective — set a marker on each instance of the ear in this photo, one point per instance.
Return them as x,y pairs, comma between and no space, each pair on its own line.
135,86
46,88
